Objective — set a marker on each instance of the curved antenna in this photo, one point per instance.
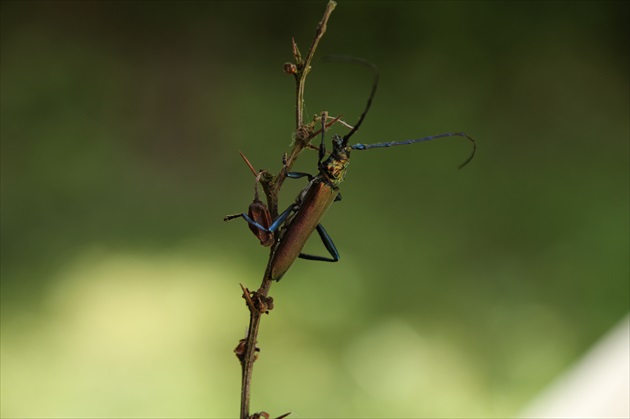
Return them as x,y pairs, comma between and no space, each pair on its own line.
429,138
355,60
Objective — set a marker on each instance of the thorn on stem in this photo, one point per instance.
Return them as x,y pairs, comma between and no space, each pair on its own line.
247,296
296,52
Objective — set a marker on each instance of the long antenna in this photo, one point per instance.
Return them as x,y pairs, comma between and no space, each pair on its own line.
355,60
419,140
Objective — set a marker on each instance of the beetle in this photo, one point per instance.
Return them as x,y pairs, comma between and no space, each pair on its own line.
258,215
293,227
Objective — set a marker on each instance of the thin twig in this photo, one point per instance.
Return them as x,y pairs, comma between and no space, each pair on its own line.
305,67
258,302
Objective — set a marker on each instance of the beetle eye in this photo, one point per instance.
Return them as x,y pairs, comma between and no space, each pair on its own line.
337,141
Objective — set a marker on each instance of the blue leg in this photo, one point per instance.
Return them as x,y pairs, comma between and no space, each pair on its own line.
298,175
273,227
246,218
282,217
330,246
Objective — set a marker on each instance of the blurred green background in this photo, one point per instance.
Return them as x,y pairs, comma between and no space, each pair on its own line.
458,294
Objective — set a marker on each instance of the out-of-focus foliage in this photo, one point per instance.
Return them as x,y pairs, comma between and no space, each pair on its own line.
458,294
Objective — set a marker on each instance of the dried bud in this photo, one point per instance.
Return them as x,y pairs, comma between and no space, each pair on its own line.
240,349
269,304
290,68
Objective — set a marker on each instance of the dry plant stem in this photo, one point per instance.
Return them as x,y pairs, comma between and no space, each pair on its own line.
305,66
257,301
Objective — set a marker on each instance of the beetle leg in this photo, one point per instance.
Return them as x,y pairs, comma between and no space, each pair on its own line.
298,175
282,218
322,145
273,227
330,246
246,218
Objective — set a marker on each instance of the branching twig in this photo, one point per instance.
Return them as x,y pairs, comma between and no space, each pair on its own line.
258,301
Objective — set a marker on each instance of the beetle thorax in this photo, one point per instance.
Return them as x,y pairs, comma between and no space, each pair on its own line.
336,165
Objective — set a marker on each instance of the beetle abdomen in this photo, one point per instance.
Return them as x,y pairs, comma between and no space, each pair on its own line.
316,202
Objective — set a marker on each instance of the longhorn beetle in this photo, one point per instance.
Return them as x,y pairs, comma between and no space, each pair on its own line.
301,218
